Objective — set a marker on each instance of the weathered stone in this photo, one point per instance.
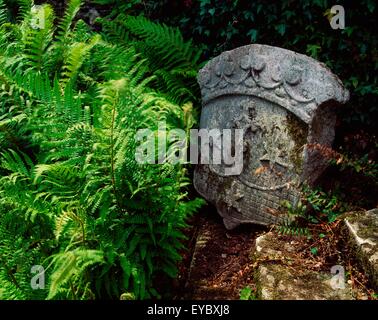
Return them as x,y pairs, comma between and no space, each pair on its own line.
362,231
278,278
278,282
282,101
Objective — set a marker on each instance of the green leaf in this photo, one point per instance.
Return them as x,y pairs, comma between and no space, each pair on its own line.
281,28
371,5
245,293
314,251
252,33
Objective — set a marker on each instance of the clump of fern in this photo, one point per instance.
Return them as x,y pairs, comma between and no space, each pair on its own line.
72,196
174,61
295,220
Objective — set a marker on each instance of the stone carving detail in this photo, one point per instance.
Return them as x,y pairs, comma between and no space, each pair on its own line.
282,100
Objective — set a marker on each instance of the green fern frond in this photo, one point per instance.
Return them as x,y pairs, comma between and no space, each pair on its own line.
3,13
75,58
167,42
24,8
38,35
64,25
69,264
174,61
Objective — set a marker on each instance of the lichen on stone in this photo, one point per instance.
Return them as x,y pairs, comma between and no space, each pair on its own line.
298,131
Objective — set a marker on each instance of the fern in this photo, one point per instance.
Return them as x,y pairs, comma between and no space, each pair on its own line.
38,37
72,196
69,266
291,224
64,26
75,58
167,42
174,61
3,13
24,9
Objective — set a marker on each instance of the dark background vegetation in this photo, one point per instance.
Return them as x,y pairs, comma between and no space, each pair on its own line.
301,26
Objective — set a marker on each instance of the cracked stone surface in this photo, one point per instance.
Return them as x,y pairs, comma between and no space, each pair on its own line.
281,101
279,280
362,231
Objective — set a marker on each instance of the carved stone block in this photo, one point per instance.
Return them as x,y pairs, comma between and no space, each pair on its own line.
282,101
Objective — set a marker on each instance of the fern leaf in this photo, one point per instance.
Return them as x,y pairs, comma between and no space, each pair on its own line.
64,25
75,58
3,13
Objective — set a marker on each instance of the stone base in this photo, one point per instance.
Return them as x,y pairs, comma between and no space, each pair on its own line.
278,280
362,232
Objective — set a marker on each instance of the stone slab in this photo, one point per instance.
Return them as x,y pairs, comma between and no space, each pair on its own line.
362,232
278,279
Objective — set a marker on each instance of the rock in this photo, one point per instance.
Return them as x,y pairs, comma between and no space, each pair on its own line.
277,279
281,101
362,233
93,15
279,282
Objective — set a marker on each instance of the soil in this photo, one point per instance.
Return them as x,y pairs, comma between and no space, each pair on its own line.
223,265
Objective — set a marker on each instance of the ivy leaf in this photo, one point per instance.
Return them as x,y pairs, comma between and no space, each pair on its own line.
281,28
348,31
354,81
371,5
253,34
205,2
313,50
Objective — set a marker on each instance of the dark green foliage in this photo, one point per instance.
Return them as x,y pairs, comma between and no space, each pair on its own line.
301,26
327,206
295,223
72,197
317,207
362,165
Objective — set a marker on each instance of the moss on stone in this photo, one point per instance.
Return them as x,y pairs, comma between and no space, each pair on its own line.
298,131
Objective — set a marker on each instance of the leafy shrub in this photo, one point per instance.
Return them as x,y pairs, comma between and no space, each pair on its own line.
72,197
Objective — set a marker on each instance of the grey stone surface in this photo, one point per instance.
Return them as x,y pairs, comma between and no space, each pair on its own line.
283,101
362,231
280,279
279,282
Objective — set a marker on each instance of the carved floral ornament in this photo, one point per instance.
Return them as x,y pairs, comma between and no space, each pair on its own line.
252,71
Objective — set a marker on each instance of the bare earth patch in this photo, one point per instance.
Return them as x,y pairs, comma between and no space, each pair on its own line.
221,264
